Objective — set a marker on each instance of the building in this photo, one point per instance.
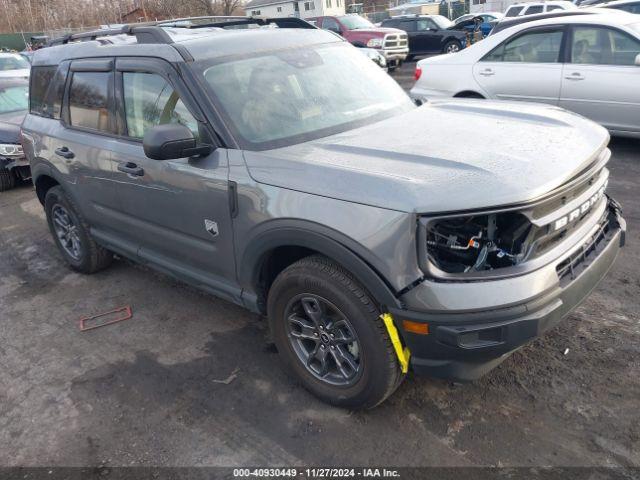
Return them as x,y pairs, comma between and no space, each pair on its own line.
141,14
293,8
479,6
416,7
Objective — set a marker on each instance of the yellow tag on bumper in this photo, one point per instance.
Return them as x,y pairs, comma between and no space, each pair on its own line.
403,354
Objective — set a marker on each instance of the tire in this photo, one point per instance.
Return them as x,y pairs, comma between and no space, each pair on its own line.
375,374
81,251
452,46
469,95
7,179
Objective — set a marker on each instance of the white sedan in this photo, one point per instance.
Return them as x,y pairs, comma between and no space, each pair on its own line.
589,64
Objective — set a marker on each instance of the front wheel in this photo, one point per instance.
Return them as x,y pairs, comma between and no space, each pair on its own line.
329,334
452,46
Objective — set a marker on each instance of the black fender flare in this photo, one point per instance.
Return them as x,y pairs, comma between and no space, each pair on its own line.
328,242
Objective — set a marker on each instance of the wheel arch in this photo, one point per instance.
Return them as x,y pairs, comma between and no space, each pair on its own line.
469,94
278,246
43,180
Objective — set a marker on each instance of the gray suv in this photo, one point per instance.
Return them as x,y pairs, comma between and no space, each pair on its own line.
280,169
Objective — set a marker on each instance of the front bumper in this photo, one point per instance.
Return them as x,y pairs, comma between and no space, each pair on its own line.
13,162
464,346
395,56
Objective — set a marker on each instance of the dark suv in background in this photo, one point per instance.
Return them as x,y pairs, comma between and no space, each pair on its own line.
429,34
282,170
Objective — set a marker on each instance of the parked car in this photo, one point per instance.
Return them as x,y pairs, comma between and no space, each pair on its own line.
283,171
481,21
13,65
596,75
511,21
14,100
520,9
630,6
390,42
428,34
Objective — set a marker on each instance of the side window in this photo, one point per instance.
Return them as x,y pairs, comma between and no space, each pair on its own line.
425,24
331,24
534,9
150,100
551,8
603,46
534,47
89,100
46,91
513,11
407,25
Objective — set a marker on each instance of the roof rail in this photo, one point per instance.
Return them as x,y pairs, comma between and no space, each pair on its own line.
222,22
144,34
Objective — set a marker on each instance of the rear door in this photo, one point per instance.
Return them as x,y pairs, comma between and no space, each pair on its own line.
175,212
81,144
601,80
524,67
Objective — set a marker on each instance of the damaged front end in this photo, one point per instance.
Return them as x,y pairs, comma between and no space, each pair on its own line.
511,240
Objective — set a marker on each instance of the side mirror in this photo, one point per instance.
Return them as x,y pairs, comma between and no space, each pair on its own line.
638,60
171,141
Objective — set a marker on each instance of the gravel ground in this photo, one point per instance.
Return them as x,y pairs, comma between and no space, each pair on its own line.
190,380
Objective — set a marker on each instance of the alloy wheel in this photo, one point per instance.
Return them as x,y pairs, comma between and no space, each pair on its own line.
323,339
66,231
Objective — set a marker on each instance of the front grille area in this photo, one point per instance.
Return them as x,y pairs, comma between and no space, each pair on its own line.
395,40
570,268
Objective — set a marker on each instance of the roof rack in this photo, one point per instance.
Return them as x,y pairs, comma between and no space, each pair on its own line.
157,34
222,22
144,34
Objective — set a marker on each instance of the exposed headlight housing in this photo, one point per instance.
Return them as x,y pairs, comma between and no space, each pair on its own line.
374,43
11,150
476,243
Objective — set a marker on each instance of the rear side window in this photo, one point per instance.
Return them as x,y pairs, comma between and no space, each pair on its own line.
534,9
603,46
46,91
513,11
531,47
89,100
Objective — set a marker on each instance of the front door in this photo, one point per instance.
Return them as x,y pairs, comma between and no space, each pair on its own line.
175,211
524,67
601,80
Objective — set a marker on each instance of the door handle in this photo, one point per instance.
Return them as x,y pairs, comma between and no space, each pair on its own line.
575,76
487,72
131,168
64,152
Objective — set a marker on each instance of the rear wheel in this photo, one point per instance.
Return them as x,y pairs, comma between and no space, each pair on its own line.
452,46
329,334
71,234
7,179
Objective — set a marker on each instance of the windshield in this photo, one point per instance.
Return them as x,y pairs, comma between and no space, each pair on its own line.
14,99
355,22
280,98
13,62
443,22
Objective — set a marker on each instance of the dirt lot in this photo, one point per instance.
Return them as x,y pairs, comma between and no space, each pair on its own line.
151,390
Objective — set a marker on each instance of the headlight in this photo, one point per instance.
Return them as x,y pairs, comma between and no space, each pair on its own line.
477,243
374,43
11,150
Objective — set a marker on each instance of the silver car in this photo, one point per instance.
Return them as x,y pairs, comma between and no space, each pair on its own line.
589,64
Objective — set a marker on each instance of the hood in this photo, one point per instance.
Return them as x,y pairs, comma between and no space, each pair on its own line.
10,127
377,30
443,156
